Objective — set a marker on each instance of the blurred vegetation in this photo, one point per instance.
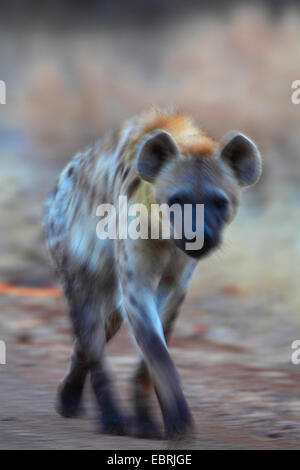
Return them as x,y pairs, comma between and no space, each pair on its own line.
69,15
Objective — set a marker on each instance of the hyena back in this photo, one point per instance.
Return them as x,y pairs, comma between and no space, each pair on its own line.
156,157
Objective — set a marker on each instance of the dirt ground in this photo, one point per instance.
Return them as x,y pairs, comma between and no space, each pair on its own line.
238,401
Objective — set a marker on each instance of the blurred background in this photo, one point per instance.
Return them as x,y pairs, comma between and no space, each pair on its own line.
72,72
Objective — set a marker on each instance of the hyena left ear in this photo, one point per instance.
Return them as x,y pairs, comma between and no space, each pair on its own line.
243,157
155,151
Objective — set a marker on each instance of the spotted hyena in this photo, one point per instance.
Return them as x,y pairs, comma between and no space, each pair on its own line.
157,157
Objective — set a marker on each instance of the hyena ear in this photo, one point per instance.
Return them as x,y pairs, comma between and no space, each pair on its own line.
155,151
242,155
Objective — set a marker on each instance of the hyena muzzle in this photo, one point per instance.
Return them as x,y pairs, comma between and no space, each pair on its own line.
154,158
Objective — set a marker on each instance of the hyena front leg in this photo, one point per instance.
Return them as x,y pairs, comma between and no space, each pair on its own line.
147,329
142,384
70,390
91,334
113,422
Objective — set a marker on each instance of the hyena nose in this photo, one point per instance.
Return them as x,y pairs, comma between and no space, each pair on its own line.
215,200
187,216
217,203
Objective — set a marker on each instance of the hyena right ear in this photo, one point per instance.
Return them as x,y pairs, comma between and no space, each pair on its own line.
154,152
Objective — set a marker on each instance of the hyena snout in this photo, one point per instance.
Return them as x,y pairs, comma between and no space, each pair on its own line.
216,207
216,213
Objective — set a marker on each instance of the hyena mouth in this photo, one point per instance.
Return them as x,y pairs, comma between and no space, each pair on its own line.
211,242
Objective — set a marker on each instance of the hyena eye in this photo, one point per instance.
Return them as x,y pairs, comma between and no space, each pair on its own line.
180,199
174,200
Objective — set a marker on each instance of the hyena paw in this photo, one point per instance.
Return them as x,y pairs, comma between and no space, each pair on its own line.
177,428
68,402
116,425
146,427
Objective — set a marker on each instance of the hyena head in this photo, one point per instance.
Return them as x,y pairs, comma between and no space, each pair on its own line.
189,174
